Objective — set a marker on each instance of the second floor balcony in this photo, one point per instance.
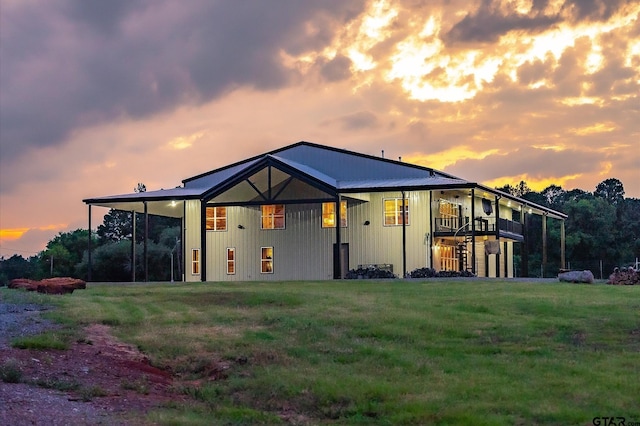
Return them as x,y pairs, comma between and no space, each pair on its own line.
462,225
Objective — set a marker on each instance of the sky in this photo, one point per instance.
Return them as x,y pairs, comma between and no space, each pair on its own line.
98,96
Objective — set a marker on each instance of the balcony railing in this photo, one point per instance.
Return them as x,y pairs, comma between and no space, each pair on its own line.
510,226
481,225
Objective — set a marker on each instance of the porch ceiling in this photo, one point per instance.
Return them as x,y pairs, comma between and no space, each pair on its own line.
168,208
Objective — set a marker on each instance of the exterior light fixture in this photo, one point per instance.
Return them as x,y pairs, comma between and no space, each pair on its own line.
240,227
367,223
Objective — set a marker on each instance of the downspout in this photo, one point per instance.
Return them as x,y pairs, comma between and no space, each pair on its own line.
404,236
133,246
203,240
89,266
473,231
146,242
498,236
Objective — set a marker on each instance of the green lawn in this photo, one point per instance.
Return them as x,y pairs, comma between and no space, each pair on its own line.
383,352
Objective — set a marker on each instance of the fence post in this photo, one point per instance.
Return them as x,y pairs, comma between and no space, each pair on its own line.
600,268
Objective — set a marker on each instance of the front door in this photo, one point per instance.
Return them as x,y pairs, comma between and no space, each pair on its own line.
340,271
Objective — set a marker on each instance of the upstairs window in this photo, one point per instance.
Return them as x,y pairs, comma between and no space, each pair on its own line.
216,219
273,216
393,214
329,215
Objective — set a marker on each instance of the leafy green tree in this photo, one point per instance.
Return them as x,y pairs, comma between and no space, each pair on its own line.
628,229
14,267
112,262
118,225
611,190
109,262
590,231
64,251
554,196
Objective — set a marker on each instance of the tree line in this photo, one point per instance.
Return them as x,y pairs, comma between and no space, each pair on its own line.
602,230
66,255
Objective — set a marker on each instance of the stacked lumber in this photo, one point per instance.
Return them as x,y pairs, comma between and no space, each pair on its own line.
624,276
61,285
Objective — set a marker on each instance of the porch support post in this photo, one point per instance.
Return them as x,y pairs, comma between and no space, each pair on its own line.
432,229
337,255
203,240
146,242
89,265
183,250
506,259
133,246
404,236
525,249
473,231
544,244
562,245
498,235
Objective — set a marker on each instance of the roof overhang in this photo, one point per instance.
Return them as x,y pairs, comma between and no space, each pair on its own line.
169,203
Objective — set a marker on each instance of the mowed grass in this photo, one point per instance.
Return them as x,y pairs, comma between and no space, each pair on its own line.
382,352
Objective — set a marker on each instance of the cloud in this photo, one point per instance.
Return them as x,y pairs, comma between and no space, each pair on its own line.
489,22
354,121
336,69
68,65
595,10
533,162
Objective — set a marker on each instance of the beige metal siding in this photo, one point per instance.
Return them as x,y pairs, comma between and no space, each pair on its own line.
303,250
191,237
379,244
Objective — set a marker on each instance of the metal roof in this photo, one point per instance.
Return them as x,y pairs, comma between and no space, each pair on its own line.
431,182
216,177
334,168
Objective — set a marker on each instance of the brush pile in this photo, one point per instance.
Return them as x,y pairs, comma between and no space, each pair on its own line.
624,276
61,285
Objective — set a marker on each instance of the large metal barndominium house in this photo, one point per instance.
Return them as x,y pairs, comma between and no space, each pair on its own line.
309,212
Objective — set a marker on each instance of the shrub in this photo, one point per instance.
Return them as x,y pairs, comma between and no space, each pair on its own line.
431,273
10,371
369,273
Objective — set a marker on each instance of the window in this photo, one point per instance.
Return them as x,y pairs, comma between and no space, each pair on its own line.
273,216
266,263
195,262
393,211
329,215
448,260
216,219
231,261
448,214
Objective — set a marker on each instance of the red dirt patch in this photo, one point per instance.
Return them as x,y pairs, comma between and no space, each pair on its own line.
99,380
